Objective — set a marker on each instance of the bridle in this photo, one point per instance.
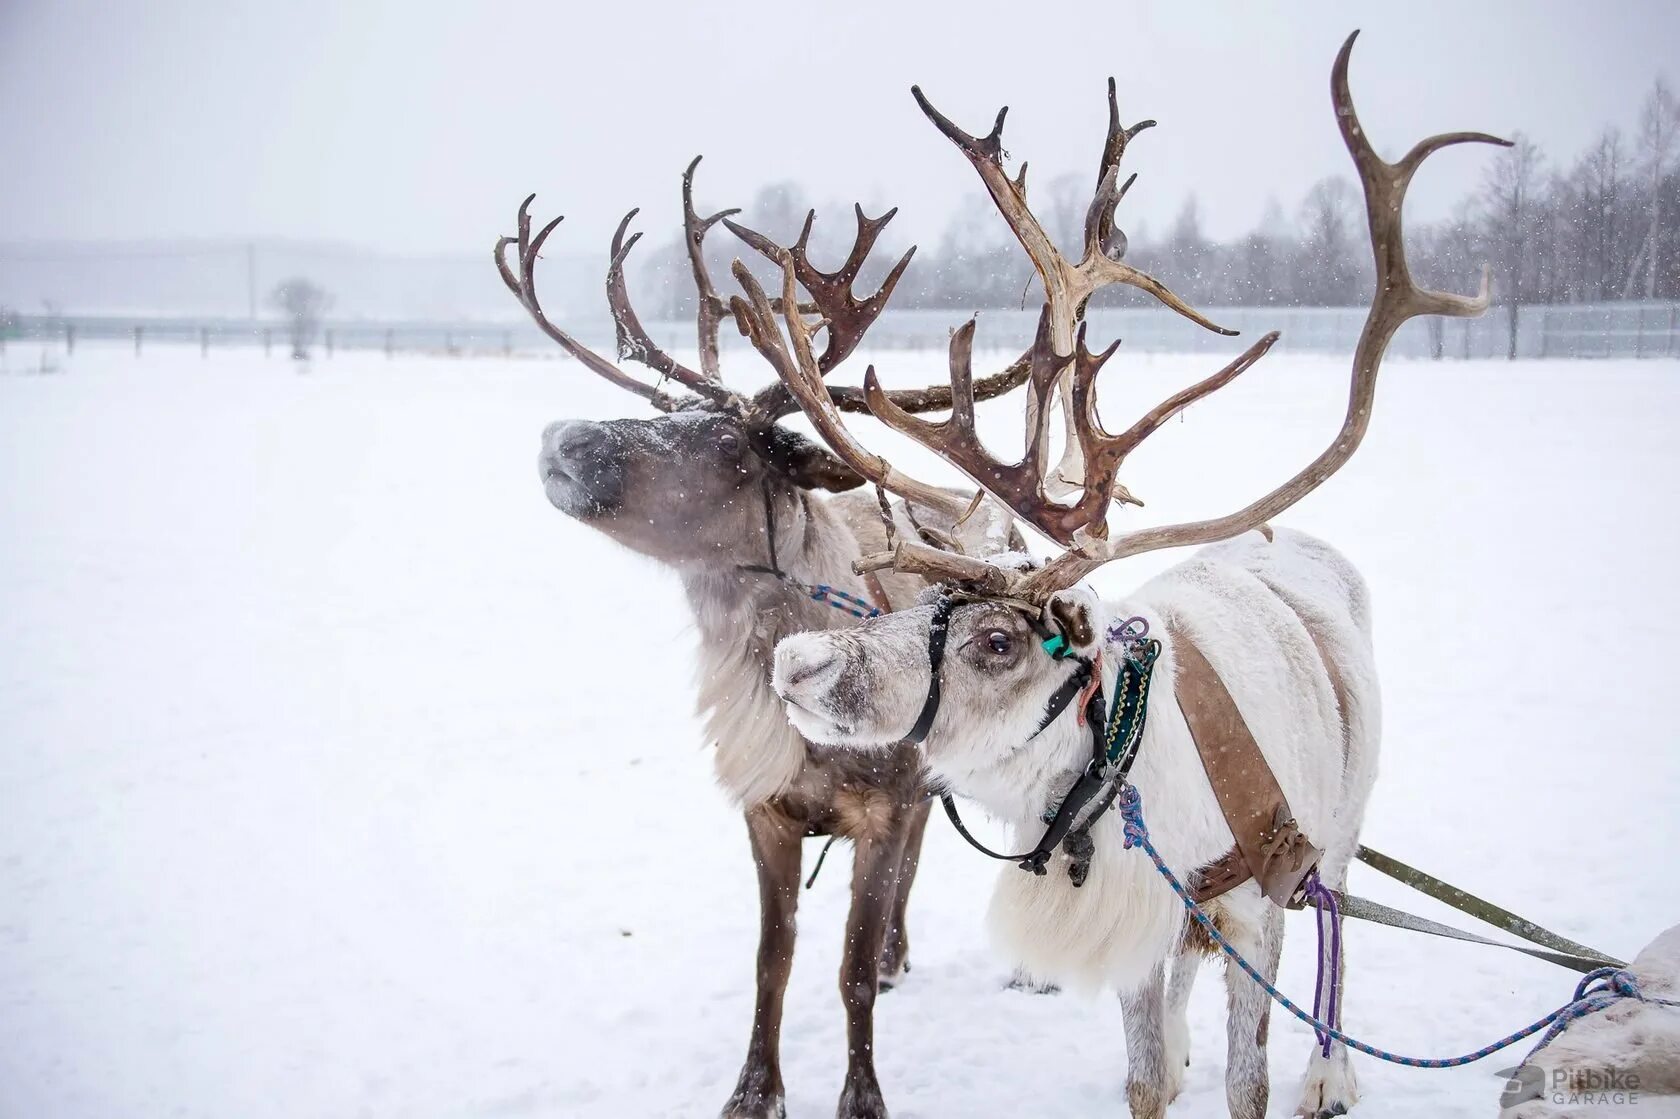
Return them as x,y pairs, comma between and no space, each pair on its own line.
1114,737
818,592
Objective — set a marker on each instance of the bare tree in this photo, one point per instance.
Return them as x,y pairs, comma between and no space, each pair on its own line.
1659,137
1508,207
1327,227
304,303
1598,181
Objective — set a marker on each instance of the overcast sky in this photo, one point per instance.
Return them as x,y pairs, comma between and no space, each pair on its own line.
417,126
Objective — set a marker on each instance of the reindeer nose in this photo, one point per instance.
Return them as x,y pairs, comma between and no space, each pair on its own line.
573,439
805,662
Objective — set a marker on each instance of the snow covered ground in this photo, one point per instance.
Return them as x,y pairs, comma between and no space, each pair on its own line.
336,777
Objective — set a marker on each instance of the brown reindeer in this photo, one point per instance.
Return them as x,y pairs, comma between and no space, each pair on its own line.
718,490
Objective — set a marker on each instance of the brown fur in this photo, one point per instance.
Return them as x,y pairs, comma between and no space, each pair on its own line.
692,490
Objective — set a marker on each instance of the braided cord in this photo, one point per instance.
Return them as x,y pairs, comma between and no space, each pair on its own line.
1596,990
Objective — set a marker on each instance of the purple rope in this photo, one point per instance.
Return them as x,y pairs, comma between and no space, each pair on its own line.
1130,633
1323,900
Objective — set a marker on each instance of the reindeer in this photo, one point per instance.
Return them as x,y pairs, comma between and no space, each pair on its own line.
718,490
1262,643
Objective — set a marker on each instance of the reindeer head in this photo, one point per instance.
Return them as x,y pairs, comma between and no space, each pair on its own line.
701,483
867,686
688,487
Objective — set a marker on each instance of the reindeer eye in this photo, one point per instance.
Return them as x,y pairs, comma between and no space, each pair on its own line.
999,642
729,443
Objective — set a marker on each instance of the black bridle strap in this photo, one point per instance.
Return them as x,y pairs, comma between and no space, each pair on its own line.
1090,782
938,630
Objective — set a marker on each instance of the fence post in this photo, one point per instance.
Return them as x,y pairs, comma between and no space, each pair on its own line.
1639,331
1545,331
1466,333
449,343
268,342
390,342
507,343
203,341
138,331
1437,337
329,343
1673,319
69,338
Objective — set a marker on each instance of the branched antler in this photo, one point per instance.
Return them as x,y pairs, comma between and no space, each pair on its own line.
845,317
1081,525
1397,299
522,282
1068,287
797,367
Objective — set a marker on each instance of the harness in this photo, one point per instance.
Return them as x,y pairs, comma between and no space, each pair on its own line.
1115,736
1269,846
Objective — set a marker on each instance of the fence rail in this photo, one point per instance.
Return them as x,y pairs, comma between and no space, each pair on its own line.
1630,330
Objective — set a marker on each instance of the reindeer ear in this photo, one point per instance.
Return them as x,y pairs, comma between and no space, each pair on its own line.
805,464
1075,610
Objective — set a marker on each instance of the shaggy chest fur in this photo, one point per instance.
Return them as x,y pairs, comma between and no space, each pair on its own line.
740,617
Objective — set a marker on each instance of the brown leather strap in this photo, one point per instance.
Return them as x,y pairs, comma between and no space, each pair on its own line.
1270,846
877,593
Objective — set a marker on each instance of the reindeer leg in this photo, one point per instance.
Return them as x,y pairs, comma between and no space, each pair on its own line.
1177,1031
1248,1016
776,852
876,859
1330,1087
1147,1075
895,955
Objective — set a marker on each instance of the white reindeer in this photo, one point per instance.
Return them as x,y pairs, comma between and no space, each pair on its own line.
1277,621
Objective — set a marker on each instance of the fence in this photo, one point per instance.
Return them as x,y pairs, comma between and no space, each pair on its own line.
1623,330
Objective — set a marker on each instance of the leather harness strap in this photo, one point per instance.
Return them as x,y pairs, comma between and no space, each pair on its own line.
1270,846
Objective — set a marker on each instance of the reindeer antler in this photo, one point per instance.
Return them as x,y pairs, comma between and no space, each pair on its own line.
845,316
1396,300
1068,287
1082,527
523,284
800,372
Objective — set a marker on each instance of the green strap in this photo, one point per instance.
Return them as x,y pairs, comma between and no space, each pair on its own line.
1477,907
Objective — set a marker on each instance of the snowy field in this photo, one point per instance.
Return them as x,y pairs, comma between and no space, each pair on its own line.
342,776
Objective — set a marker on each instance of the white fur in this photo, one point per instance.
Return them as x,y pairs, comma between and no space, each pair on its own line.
1126,918
1245,603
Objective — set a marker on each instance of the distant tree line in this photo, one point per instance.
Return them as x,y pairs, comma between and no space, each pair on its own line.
1603,226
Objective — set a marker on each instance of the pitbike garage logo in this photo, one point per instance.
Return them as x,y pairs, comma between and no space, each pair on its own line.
1569,1087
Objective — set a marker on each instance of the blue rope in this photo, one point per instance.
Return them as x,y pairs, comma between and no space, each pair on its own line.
848,603
1596,990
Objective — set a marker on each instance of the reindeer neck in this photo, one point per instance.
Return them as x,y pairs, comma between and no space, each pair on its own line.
736,594
741,614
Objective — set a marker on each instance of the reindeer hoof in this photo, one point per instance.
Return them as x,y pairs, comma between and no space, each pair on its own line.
1329,1090
887,980
861,1100
757,1096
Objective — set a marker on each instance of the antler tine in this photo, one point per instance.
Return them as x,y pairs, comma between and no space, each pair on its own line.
1396,300
1099,218
797,368
710,307
634,342
1067,287
846,317
1104,453
522,283
1020,485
